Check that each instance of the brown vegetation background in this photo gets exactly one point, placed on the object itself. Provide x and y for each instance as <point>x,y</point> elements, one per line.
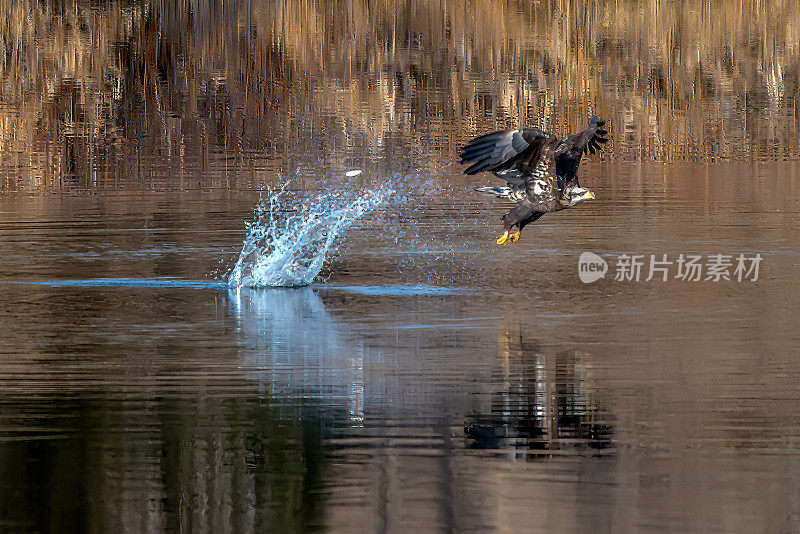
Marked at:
<point>198,93</point>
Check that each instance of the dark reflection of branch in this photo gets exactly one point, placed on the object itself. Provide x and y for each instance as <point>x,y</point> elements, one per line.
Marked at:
<point>157,461</point>
<point>207,442</point>
<point>541,402</point>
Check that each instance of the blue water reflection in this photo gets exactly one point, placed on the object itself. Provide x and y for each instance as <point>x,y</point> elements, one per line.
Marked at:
<point>297,352</point>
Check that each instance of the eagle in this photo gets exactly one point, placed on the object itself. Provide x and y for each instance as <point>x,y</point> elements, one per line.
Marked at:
<point>541,171</point>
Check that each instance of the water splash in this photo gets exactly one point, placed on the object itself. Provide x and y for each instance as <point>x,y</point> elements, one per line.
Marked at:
<point>289,239</point>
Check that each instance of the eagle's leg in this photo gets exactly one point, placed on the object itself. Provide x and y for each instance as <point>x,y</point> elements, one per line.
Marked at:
<point>516,218</point>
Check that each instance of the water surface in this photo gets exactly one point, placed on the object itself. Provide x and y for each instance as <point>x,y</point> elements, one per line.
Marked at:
<point>428,379</point>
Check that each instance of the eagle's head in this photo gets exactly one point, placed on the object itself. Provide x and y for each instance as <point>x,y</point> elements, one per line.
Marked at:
<point>578,195</point>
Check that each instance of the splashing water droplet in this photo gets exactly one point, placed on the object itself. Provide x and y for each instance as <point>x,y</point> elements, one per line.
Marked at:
<point>289,250</point>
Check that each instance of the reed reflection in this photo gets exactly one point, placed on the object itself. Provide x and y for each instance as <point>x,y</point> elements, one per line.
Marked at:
<point>163,462</point>
<point>147,426</point>
<point>542,402</point>
<point>197,94</point>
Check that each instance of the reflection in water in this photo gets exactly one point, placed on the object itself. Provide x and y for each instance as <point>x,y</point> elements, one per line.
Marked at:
<point>158,462</point>
<point>542,402</point>
<point>148,426</point>
<point>297,352</point>
<point>199,94</point>
<point>137,397</point>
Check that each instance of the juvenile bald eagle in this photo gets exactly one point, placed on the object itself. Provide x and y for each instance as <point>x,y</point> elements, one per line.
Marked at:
<point>541,171</point>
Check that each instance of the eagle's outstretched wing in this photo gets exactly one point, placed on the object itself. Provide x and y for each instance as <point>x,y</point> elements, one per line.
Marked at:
<point>570,150</point>
<point>511,155</point>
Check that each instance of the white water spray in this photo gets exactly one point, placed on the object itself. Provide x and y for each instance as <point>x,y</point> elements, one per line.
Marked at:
<point>289,250</point>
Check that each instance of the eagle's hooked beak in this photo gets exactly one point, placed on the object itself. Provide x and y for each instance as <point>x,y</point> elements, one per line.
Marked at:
<point>589,195</point>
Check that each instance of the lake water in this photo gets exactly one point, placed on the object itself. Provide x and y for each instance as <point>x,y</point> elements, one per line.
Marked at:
<point>429,379</point>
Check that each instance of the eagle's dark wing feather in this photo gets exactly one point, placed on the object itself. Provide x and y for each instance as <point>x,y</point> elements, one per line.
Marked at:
<point>509,154</point>
<point>570,150</point>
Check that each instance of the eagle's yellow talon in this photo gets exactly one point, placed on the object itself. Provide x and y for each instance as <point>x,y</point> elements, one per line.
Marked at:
<point>513,237</point>
<point>503,238</point>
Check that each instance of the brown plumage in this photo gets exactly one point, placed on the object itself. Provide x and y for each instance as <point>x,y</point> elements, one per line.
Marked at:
<point>541,171</point>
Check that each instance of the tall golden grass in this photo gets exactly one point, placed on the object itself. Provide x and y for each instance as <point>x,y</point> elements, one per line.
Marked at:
<point>162,92</point>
